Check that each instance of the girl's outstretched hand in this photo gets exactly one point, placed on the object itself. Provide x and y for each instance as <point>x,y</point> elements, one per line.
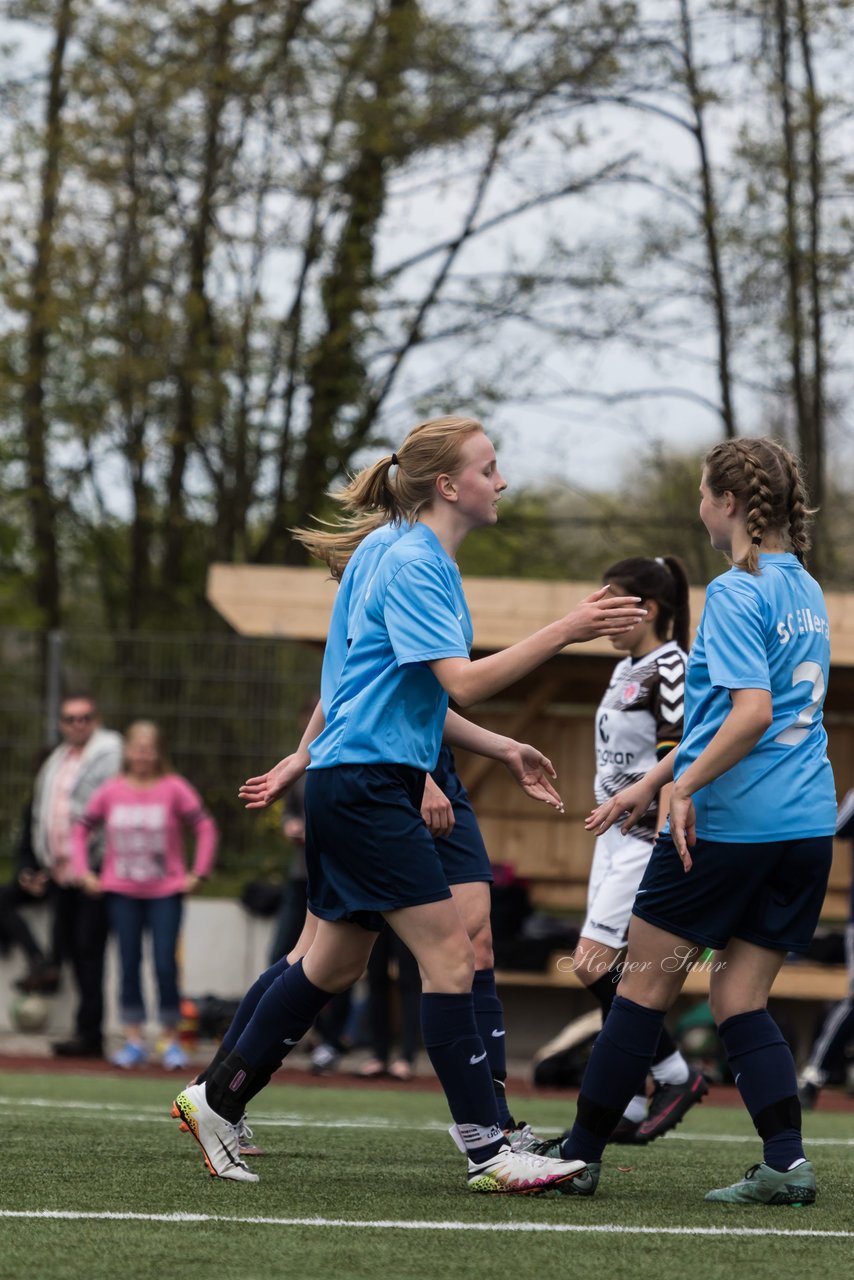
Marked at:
<point>533,771</point>
<point>603,614</point>
<point>261,792</point>
<point>630,804</point>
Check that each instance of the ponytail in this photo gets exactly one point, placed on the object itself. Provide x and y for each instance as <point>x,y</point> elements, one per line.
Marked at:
<point>374,497</point>
<point>681,602</point>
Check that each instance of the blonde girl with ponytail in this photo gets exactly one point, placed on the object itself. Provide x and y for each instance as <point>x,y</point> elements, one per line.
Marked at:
<point>370,855</point>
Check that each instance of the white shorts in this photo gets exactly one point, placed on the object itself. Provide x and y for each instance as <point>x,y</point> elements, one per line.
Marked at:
<point>618,865</point>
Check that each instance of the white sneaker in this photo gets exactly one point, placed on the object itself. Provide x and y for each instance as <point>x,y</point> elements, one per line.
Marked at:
<point>216,1136</point>
<point>521,1173</point>
<point>173,1057</point>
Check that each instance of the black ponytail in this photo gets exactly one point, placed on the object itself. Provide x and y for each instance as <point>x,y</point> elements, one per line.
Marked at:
<point>663,580</point>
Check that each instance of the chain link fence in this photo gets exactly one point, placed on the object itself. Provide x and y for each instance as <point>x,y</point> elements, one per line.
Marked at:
<point>229,707</point>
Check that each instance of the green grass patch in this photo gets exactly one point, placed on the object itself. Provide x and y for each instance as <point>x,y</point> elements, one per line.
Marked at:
<point>101,1144</point>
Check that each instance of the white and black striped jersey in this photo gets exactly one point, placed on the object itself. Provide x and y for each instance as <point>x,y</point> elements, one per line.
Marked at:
<point>639,720</point>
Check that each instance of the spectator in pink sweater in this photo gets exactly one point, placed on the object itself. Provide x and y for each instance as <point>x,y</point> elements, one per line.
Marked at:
<point>145,812</point>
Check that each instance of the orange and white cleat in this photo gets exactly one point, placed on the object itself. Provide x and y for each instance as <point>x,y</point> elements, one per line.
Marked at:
<point>217,1137</point>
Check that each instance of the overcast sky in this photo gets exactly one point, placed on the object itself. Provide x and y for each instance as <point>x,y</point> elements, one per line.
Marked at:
<point>570,438</point>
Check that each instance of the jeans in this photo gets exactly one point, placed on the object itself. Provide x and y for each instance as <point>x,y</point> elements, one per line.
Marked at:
<point>129,919</point>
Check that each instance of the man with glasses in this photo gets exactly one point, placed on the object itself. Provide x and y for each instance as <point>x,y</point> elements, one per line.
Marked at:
<point>87,756</point>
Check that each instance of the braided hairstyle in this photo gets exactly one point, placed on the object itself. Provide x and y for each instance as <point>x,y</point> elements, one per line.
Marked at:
<point>375,497</point>
<point>663,580</point>
<point>765,476</point>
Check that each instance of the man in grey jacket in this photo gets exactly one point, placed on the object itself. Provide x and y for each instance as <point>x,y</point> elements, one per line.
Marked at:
<point>87,756</point>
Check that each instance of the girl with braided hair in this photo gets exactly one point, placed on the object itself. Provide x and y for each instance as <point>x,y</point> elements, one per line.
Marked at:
<point>743,867</point>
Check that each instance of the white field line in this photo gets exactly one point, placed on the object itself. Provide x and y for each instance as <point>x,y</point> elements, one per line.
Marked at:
<point>147,1114</point>
<point>144,1114</point>
<point>386,1224</point>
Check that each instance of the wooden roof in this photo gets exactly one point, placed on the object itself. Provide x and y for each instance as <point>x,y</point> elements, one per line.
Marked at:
<point>295,603</point>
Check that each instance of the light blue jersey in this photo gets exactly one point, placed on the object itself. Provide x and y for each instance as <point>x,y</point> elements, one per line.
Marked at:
<point>763,631</point>
<point>388,707</point>
<point>348,601</point>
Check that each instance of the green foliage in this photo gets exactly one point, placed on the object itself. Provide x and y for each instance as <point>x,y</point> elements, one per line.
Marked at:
<point>221,336</point>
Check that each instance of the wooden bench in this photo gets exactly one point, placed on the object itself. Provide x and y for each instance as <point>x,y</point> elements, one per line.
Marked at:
<point>798,980</point>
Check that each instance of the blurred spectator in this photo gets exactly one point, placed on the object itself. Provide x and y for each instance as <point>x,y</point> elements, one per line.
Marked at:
<point>388,950</point>
<point>837,1032</point>
<point>86,757</point>
<point>144,812</point>
<point>30,884</point>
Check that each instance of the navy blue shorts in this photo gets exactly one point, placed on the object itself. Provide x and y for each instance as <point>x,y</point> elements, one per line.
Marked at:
<point>463,853</point>
<point>367,849</point>
<point>769,894</point>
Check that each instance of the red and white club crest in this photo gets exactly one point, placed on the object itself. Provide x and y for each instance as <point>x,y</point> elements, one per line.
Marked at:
<point>630,692</point>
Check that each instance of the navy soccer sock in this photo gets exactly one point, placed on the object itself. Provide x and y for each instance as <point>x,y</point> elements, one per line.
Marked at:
<point>459,1058</point>
<point>605,989</point>
<point>489,1017</point>
<point>764,1071</point>
<point>241,1019</point>
<point>282,1016</point>
<point>615,1073</point>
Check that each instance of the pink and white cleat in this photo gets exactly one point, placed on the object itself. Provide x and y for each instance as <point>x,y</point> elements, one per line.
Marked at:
<point>521,1173</point>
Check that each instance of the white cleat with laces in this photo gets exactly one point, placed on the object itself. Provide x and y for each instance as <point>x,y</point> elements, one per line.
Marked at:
<point>217,1137</point>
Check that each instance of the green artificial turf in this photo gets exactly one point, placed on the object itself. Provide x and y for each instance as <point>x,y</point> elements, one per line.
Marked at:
<point>102,1144</point>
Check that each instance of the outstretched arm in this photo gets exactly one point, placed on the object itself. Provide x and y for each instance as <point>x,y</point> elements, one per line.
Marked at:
<point>750,716</point>
<point>261,792</point>
<point>468,682</point>
<point>531,769</point>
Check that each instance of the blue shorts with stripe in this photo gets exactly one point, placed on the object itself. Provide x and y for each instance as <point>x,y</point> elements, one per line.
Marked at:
<point>463,853</point>
<point>366,846</point>
<point>767,893</point>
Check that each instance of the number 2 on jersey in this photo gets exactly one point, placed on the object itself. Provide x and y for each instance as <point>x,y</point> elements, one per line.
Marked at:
<point>804,673</point>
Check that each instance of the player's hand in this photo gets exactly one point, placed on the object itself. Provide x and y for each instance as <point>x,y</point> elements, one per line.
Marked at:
<point>191,883</point>
<point>630,805</point>
<point>603,614</point>
<point>683,825</point>
<point>533,771</point>
<point>437,810</point>
<point>261,792</point>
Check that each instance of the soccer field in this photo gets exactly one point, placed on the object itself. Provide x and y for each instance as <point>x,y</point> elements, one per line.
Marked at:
<point>97,1182</point>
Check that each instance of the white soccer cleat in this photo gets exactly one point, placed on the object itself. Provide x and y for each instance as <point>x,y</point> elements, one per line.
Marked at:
<point>521,1173</point>
<point>217,1137</point>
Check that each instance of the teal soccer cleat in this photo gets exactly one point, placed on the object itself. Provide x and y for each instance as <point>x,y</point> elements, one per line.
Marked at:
<point>764,1185</point>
